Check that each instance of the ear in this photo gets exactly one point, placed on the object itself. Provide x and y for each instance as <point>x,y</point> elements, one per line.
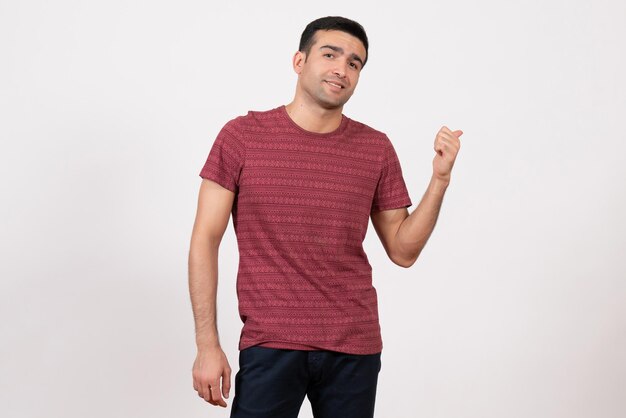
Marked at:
<point>298,61</point>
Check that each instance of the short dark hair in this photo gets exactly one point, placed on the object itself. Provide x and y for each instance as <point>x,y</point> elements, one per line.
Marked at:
<point>332,23</point>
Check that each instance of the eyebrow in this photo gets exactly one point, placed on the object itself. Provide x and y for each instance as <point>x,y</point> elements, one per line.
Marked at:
<point>340,50</point>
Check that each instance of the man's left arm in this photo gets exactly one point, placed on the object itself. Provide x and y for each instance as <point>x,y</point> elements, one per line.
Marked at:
<point>404,236</point>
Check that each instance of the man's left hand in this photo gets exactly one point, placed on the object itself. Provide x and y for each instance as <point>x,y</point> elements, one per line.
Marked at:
<point>447,145</point>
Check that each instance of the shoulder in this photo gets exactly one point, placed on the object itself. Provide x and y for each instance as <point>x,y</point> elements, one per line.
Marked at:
<point>254,120</point>
<point>372,135</point>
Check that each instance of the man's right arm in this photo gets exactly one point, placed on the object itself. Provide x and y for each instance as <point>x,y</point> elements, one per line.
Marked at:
<point>214,207</point>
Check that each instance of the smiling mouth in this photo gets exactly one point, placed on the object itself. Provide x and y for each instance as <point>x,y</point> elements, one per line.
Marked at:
<point>334,85</point>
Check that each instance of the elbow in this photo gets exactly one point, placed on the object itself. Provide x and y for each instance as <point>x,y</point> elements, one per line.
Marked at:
<point>404,260</point>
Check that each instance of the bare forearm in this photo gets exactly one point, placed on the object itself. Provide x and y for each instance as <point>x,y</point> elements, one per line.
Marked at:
<point>203,291</point>
<point>418,226</point>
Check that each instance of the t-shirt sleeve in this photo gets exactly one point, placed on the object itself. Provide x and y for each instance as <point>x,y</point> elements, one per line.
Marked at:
<point>391,191</point>
<point>226,158</point>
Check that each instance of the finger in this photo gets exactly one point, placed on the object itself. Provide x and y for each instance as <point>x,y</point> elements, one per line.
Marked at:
<point>450,136</point>
<point>455,134</point>
<point>445,138</point>
<point>201,392</point>
<point>209,398</point>
<point>216,396</point>
<point>438,145</point>
<point>194,380</point>
<point>204,391</point>
<point>226,382</point>
<point>452,141</point>
<point>442,141</point>
<point>441,149</point>
<point>197,385</point>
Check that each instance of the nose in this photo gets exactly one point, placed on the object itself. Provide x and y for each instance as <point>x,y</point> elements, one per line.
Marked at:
<point>340,70</point>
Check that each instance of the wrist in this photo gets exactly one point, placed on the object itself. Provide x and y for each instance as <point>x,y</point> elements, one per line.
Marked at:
<point>207,343</point>
<point>439,184</point>
<point>208,347</point>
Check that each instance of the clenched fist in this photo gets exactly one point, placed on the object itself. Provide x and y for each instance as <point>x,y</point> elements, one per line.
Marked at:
<point>447,145</point>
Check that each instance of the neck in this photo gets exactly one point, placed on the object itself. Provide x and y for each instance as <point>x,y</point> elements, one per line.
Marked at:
<point>314,118</point>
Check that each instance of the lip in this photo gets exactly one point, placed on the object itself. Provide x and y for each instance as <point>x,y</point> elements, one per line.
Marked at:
<point>343,86</point>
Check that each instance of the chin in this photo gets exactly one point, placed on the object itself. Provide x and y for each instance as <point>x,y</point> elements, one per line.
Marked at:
<point>332,104</point>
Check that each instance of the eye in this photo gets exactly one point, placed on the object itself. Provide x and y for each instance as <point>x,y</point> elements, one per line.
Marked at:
<point>328,54</point>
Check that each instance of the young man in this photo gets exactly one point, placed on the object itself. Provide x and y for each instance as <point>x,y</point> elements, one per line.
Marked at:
<point>302,181</point>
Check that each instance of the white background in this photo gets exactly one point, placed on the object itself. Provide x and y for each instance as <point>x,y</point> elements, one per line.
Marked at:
<point>108,111</point>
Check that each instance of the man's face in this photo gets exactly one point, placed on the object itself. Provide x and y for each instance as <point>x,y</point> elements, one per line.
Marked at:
<point>332,68</point>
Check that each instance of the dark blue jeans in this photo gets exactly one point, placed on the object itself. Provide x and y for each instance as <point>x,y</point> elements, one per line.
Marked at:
<point>272,383</point>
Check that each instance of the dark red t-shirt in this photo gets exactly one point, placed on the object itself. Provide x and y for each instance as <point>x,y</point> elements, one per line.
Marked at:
<point>301,211</point>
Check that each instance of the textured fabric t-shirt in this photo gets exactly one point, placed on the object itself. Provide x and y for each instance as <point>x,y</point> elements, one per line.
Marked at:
<point>300,214</point>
